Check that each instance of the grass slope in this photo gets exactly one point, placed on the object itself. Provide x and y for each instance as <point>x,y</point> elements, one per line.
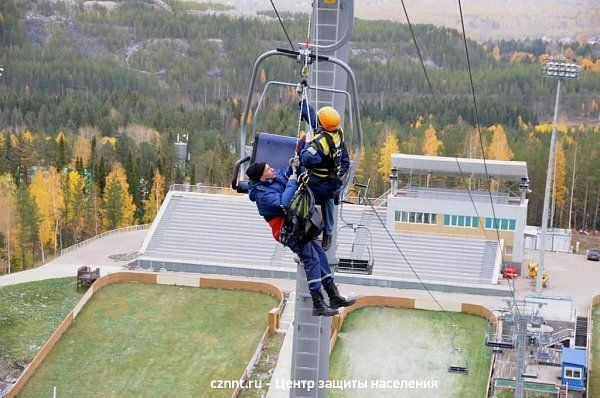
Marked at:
<point>399,344</point>
<point>30,312</point>
<point>148,340</point>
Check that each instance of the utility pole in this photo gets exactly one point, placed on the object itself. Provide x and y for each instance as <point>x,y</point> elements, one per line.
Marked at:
<point>584,222</point>
<point>555,67</point>
<point>552,208</point>
<point>596,213</point>
<point>572,185</point>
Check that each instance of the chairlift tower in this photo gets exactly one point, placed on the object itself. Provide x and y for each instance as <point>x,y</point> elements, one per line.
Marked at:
<point>525,321</point>
<point>331,27</point>
<point>331,24</point>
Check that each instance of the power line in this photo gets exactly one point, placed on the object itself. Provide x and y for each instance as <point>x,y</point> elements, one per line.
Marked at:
<point>512,289</point>
<point>282,25</point>
<point>416,274</point>
<point>487,176</point>
<point>419,53</point>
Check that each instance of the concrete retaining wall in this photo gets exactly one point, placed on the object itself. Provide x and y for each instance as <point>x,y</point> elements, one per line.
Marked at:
<point>400,302</point>
<point>163,279</point>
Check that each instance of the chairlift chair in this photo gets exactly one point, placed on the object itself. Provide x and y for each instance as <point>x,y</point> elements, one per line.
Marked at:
<point>357,261</point>
<point>276,150</point>
<point>458,362</point>
<point>498,341</point>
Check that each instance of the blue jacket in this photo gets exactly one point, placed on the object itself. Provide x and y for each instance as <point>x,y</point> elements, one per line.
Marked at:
<point>311,158</point>
<point>274,195</point>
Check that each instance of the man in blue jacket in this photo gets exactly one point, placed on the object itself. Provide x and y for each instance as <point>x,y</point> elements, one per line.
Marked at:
<point>326,157</point>
<point>272,190</point>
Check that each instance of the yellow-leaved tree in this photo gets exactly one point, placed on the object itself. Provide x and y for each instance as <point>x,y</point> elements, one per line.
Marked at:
<point>390,146</point>
<point>75,205</point>
<point>431,144</point>
<point>45,188</point>
<point>81,150</point>
<point>118,207</point>
<point>9,222</point>
<point>157,194</point>
<point>499,148</point>
<point>496,53</point>
<point>560,187</point>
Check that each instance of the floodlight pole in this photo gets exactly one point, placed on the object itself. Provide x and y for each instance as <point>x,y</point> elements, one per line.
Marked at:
<point>553,68</point>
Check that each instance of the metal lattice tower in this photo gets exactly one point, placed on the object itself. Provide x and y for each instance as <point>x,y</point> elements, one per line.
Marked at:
<point>331,25</point>
<point>521,316</point>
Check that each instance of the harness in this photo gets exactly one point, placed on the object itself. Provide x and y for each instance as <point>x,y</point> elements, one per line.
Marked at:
<point>330,166</point>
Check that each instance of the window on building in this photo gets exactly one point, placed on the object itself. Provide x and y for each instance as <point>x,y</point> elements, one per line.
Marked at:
<point>419,217</point>
<point>508,250</point>
<point>415,217</point>
<point>456,220</point>
<point>572,373</point>
<point>503,224</point>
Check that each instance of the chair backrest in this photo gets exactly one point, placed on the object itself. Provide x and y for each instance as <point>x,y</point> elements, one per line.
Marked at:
<point>274,149</point>
<point>82,270</point>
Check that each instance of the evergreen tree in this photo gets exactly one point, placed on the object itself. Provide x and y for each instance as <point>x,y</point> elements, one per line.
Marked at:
<point>61,154</point>
<point>28,223</point>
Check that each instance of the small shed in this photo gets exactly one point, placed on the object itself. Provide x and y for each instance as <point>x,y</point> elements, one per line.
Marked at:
<point>574,368</point>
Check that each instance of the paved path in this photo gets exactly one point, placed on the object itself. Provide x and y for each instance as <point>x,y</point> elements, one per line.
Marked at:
<point>568,275</point>
<point>94,254</point>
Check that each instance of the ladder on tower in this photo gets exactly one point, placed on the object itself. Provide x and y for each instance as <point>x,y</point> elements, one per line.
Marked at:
<point>581,332</point>
<point>310,359</point>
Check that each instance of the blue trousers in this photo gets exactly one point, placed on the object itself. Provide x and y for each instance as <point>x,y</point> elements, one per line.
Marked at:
<point>324,191</point>
<point>314,261</point>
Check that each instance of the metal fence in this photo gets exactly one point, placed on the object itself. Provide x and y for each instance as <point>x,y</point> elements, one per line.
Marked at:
<point>200,188</point>
<point>102,235</point>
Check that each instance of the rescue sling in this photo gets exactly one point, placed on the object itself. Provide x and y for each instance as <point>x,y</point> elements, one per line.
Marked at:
<point>303,219</point>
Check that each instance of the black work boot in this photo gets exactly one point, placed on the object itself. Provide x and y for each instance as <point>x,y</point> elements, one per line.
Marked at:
<point>335,299</point>
<point>319,306</point>
<point>326,242</point>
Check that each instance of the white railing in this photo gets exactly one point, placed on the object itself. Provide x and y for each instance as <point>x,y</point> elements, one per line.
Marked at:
<point>382,199</point>
<point>200,188</point>
<point>102,235</point>
<point>456,195</point>
<point>560,336</point>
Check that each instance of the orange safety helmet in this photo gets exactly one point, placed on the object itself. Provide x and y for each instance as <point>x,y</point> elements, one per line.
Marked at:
<point>329,118</point>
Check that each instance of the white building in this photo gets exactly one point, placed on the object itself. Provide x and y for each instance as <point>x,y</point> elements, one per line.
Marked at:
<point>432,196</point>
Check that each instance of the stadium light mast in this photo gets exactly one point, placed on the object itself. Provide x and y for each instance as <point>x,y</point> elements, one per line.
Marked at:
<point>554,67</point>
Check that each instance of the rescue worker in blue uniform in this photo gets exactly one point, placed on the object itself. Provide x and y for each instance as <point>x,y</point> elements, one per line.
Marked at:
<point>273,190</point>
<point>327,160</point>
